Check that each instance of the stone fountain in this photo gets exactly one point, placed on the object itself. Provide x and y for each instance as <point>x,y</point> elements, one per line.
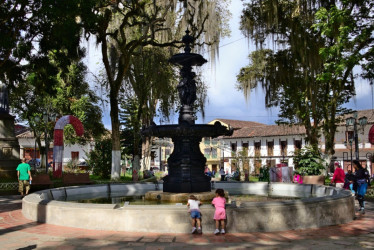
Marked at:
<point>186,163</point>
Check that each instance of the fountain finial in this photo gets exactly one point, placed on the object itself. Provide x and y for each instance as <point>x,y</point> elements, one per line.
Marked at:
<point>187,40</point>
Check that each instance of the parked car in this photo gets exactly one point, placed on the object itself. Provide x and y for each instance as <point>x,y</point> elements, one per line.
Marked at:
<point>82,165</point>
<point>34,163</point>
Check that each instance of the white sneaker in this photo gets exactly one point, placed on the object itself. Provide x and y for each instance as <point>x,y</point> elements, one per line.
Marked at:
<point>199,230</point>
<point>216,231</point>
<point>193,230</point>
<point>223,231</point>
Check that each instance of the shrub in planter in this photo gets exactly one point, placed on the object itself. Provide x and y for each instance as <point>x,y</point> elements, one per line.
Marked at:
<point>308,161</point>
<point>100,159</point>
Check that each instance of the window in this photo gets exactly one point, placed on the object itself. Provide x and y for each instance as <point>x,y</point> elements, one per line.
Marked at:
<point>233,147</point>
<point>270,148</point>
<point>7,152</point>
<point>257,167</point>
<point>153,156</point>
<point>283,145</point>
<point>258,148</point>
<point>167,152</point>
<point>298,144</point>
<point>207,153</point>
<point>349,135</point>
<point>207,140</point>
<point>214,142</point>
<point>74,155</point>
<point>214,152</point>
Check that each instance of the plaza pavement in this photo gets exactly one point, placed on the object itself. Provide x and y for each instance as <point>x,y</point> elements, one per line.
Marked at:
<point>17,232</point>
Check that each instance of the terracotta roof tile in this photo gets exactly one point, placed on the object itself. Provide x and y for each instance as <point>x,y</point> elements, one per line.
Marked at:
<point>369,113</point>
<point>245,129</point>
<point>237,123</point>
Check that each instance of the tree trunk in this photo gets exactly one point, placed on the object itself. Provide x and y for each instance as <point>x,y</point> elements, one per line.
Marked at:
<point>242,173</point>
<point>42,157</point>
<point>135,168</point>
<point>146,153</point>
<point>116,148</point>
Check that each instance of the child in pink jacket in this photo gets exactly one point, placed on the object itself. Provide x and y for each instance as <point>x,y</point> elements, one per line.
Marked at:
<point>219,203</point>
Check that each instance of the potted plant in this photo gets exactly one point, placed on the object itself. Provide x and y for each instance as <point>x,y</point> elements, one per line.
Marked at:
<point>309,164</point>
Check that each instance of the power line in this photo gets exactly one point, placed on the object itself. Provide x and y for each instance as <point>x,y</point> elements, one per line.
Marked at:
<point>205,52</point>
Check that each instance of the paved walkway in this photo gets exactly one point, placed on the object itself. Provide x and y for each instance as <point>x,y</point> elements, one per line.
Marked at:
<point>17,232</point>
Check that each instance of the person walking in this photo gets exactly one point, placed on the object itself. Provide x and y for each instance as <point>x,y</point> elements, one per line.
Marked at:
<point>194,204</point>
<point>361,180</point>
<point>24,176</point>
<point>339,176</point>
<point>349,178</point>
<point>219,202</point>
<point>222,173</point>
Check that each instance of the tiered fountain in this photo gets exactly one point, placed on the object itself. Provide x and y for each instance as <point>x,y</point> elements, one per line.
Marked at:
<point>186,163</point>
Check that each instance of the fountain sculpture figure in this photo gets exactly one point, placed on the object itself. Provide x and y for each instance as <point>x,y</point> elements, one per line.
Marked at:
<point>186,163</point>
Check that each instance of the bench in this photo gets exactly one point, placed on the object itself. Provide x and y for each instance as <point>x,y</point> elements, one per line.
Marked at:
<point>73,179</point>
<point>41,180</point>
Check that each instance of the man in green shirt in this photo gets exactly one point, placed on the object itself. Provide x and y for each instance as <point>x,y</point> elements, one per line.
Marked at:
<point>24,176</point>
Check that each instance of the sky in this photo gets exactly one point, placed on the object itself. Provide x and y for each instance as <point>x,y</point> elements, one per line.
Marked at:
<point>224,101</point>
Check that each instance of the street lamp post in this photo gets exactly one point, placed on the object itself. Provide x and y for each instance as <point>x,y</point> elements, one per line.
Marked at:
<point>350,144</point>
<point>352,121</point>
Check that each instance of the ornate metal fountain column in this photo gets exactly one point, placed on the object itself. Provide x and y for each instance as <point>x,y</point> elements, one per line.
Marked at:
<point>186,163</point>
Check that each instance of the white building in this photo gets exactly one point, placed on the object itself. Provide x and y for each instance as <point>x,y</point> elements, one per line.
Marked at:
<point>29,149</point>
<point>272,144</point>
<point>255,145</point>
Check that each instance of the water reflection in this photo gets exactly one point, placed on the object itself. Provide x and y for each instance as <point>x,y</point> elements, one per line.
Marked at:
<point>140,200</point>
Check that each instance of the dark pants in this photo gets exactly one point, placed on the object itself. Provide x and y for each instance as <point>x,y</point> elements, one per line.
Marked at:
<point>361,191</point>
<point>361,200</point>
<point>223,177</point>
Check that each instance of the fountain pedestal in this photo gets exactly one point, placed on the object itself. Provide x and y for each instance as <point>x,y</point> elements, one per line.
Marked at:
<point>9,146</point>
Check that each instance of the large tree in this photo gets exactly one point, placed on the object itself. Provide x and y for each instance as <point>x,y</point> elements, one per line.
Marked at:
<point>152,80</point>
<point>308,72</point>
<point>67,94</point>
<point>122,27</point>
<point>30,29</point>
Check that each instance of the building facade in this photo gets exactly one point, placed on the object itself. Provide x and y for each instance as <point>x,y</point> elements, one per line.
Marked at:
<point>255,144</point>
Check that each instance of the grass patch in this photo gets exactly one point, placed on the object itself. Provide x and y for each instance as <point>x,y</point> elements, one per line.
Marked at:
<point>253,178</point>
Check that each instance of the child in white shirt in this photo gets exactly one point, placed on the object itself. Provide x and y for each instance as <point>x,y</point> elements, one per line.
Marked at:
<point>194,210</point>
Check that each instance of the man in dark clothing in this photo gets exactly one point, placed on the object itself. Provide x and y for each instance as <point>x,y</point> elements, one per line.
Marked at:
<point>361,178</point>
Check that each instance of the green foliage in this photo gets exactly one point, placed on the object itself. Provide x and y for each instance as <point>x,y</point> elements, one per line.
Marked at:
<point>310,88</point>
<point>29,30</point>
<point>100,159</point>
<point>125,29</point>
<point>130,125</point>
<point>72,165</point>
<point>308,161</point>
<point>264,174</point>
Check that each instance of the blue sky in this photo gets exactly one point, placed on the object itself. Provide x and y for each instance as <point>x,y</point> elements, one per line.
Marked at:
<point>224,101</point>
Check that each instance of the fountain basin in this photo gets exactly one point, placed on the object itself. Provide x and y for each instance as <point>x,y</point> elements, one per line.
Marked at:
<point>330,206</point>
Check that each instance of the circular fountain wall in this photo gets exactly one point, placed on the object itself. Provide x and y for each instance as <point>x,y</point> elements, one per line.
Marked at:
<point>328,206</point>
